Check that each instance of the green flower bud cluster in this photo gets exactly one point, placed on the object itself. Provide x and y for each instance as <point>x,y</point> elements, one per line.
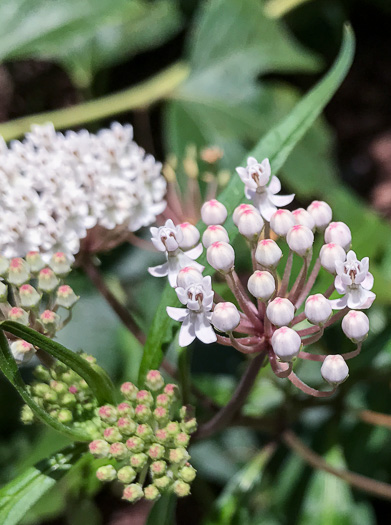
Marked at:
<point>65,396</point>
<point>145,440</point>
<point>31,293</point>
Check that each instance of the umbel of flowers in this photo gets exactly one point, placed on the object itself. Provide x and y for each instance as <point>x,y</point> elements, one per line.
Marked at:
<point>145,440</point>
<point>57,189</point>
<point>33,293</point>
<point>65,396</point>
<point>276,315</point>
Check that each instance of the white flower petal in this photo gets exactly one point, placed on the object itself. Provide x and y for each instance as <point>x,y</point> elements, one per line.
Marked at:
<point>281,200</point>
<point>339,304</point>
<point>367,283</point>
<point>178,314</point>
<point>195,252</point>
<point>204,330</point>
<point>275,185</point>
<point>187,332</point>
<point>159,271</point>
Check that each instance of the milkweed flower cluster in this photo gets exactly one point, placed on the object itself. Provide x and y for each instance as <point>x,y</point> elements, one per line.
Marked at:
<point>145,440</point>
<point>55,188</point>
<point>33,293</point>
<point>271,315</point>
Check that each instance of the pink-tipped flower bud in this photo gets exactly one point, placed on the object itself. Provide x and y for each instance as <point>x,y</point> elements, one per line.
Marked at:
<point>281,222</point>
<point>213,212</point>
<point>250,224</point>
<point>22,351</point>
<point>188,276</point>
<point>330,254</point>
<point>321,213</point>
<point>334,370</point>
<point>154,380</point>
<point>18,271</point>
<point>4,265</point>
<point>50,320</point>
<point>106,473</point>
<point>178,455</point>
<point>181,489</point>
<point>239,210</point>
<point>156,451</point>
<point>182,439</point>
<point>151,493</point>
<point>35,261</point>
<point>135,444</point>
<point>60,264</point>
<point>66,297</point>
<point>300,239</point>
<point>214,233</point>
<point>187,473</point>
<point>261,285</point>
<point>338,233</point>
<point>126,475</point>
<point>163,482</point>
<point>142,413</point>
<point>118,451</point>
<point>286,343</point>
<point>129,391</point>
<point>317,309</point>
<point>303,217</point>
<point>280,311</point>
<point>225,317</point>
<point>126,426</point>
<point>173,428</point>
<point>355,326</point>
<point>112,434</point>
<point>221,256</point>
<point>144,431</point>
<point>144,397</point>
<point>47,280</point>
<point>107,413</point>
<point>268,254</point>
<point>99,448</point>
<point>162,436</point>
<point>158,468</point>
<point>137,461</point>
<point>3,292</point>
<point>190,237</point>
<point>125,409</point>
<point>133,492</point>
<point>29,297</point>
<point>171,390</point>
<point>163,400</point>
<point>19,315</point>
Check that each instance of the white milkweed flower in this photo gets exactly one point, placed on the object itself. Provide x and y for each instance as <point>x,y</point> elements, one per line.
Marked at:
<point>56,187</point>
<point>213,212</point>
<point>196,317</point>
<point>300,239</point>
<point>256,177</point>
<point>261,285</point>
<point>22,351</point>
<point>317,309</point>
<point>225,317</point>
<point>286,343</point>
<point>354,281</point>
<point>167,239</point>
<point>334,370</point>
<point>281,222</point>
<point>214,233</point>
<point>280,311</point>
<point>321,213</point>
<point>329,254</point>
<point>355,326</point>
<point>268,253</point>
<point>303,217</point>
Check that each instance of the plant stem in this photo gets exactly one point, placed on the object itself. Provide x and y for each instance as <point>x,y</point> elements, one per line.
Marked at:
<point>287,274</point>
<point>227,413</point>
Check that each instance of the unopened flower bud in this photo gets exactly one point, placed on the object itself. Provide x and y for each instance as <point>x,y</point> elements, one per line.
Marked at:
<point>29,297</point>
<point>163,482</point>
<point>126,426</point>
<point>225,317</point>
<point>144,397</point>
<point>133,492</point>
<point>214,233</point>
<point>35,261</point>
<point>189,426</point>
<point>135,444</point>
<point>191,236</point>
<point>27,415</point>
<point>281,222</point>
<point>106,473</point>
<point>303,217</point>
<point>112,434</point>
<point>173,428</point>
<point>142,413</point>
<point>18,271</point>
<point>99,448</point>
<point>3,292</point>
<point>188,276</point>
<point>69,400</point>
<point>171,390</point>
<point>118,451</point>
<point>156,451</point>
<point>58,387</point>
<point>60,264</point>
<point>50,320</point>
<point>42,373</point>
<point>160,414</point>
<point>286,343</point>
<point>154,380</point>
<point>4,265</point>
<point>125,409</point>
<point>158,468</point>
<point>182,439</point>
<point>338,233</point>
<point>355,326</point>
<point>317,309</point>
<point>65,416</point>
<point>261,285</point>
<point>137,461</point>
<point>66,297</point>
<point>47,280</point>
<point>163,400</point>
<point>187,473</point>
<point>250,224</point>
<point>178,455</point>
<point>300,239</point>
<point>144,431</point>
<point>162,436</point>
<point>321,213</point>
<point>239,210</point>
<point>334,370</point>
<point>19,315</point>
<point>129,391</point>
<point>126,475</point>
<point>221,256</point>
<point>151,493</point>
<point>181,488</point>
<point>280,311</point>
<point>213,212</point>
<point>329,254</point>
<point>268,254</point>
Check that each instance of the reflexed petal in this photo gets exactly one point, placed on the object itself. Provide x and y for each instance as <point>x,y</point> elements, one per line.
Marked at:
<point>370,297</point>
<point>364,264</point>
<point>339,285</point>
<point>187,332</point>
<point>158,244</point>
<point>356,298</point>
<point>249,190</point>
<point>281,200</point>
<point>159,271</point>
<point>242,172</point>
<point>367,283</point>
<point>339,266</point>
<point>154,230</point>
<point>195,252</point>
<point>204,330</point>
<point>169,224</point>
<point>275,185</point>
<point>339,304</point>
<point>251,161</point>
<point>182,295</point>
<point>178,314</point>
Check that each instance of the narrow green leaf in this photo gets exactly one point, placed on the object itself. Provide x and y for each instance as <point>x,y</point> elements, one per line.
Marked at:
<point>276,145</point>
<point>163,511</point>
<point>96,377</point>
<point>18,496</point>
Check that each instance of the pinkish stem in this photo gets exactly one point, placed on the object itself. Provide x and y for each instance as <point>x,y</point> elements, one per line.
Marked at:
<point>317,357</point>
<point>300,280</point>
<point>281,370</point>
<point>244,302</point>
<point>286,276</point>
<point>307,389</point>
<point>313,339</point>
<point>309,284</point>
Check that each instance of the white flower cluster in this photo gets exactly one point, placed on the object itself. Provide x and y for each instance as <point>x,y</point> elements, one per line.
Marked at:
<point>271,325</point>
<point>55,187</point>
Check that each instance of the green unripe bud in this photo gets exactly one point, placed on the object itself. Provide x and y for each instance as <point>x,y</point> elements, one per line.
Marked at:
<point>58,386</point>
<point>178,455</point>
<point>126,475</point>
<point>144,397</point>
<point>41,373</point>
<point>99,448</point>
<point>112,434</point>
<point>163,400</point>
<point>118,451</point>
<point>106,473</point>
<point>151,493</point>
<point>142,413</point>
<point>3,292</point>
<point>162,483</point>
<point>129,391</point>
<point>40,389</point>
<point>29,297</point>
<point>126,426</point>
<point>144,431</point>
<point>156,451</point>
<point>35,261</point>
<point>65,416</point>
<point>27,415</point>
<point>18,271</point>
<point>158,468</point>
<point>19,315</point>
<point>182,439</point>
<point>162,436</point>
<point>69,400</point>
<point>138,460</point>
<point>189,426</point>
<point>66,297</point>
<point>173,428</point>
<point>154,380</point>
<point>50,397</point>
<point>133,492</point>
<point>135,444</point>
<point>60,264</point>
<point>107,413</point>
<point>181,488</point>
<point>125,410</point>
<point>4,265</point>
<point>187,473</point>
<point>161,414</point>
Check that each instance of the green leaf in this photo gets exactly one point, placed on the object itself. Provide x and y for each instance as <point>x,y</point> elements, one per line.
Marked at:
<point>95,376</point>
<point>163,511</point>
<point>10,369</point>
<point>276,145</point>
<point>18,496</point>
